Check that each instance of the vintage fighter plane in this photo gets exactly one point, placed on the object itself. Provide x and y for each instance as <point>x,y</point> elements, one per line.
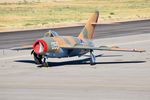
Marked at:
<point>54,46</point>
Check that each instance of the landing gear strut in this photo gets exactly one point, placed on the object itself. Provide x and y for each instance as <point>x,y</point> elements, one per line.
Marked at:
<point>92,58</point>
<point>45,64</point>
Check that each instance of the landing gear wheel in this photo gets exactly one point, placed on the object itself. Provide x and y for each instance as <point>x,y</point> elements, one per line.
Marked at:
<point>92,58</point>
<point>45,64</point>
<point>91,63</point>
<point>37,58</point>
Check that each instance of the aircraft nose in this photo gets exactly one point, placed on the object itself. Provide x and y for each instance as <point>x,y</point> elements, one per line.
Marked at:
<point>40,46</point>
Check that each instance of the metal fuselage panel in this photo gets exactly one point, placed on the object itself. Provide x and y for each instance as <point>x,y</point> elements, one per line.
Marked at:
<point>66,41</point>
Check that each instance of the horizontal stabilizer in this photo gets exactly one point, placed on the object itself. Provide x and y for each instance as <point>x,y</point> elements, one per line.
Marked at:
<point>95,23</point>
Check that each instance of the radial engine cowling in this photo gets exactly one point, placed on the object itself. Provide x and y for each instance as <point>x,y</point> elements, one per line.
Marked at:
<point>45,45</point>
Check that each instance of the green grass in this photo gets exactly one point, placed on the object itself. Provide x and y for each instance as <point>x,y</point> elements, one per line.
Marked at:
<point>35,13</point>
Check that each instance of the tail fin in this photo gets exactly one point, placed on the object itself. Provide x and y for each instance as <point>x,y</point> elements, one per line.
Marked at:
<point>88,31</point>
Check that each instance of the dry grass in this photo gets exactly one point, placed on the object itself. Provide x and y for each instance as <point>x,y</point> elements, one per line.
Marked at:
<point>43,13</point>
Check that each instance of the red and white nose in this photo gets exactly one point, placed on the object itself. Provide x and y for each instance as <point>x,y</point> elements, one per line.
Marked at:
<point>40,46</point>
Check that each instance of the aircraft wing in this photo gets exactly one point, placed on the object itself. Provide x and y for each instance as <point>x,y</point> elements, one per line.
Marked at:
<point>25,47</point>
<point>105,48</point>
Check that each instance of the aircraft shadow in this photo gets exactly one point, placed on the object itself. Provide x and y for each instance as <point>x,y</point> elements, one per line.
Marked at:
<point>79,62</point>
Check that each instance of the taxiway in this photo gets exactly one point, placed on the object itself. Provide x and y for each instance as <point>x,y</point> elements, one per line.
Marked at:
<point>116,75</point>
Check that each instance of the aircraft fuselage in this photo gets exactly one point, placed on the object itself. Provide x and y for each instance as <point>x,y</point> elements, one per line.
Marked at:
<point>53,46</point>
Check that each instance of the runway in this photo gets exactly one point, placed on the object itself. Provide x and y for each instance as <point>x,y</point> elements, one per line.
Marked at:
<point>116,75</point>
<point>11,39</point>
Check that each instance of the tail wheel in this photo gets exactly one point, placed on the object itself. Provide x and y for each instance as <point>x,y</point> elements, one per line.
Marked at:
<point>37,58</point>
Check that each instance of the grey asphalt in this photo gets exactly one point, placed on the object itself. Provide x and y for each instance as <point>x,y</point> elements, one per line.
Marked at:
<point>116,75</point>
<point>11,39</point>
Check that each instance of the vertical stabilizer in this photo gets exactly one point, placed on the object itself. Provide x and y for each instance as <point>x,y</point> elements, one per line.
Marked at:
<point>88,30</point>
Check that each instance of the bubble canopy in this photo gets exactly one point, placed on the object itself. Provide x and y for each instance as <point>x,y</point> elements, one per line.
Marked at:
<point>51,34</point>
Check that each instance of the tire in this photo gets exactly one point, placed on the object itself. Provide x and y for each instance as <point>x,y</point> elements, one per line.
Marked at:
<point>37,58</point>
<point>45,64</point>
<point>91,63</point>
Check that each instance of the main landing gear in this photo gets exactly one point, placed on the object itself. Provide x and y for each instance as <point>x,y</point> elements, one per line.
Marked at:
<point>92,58</point>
